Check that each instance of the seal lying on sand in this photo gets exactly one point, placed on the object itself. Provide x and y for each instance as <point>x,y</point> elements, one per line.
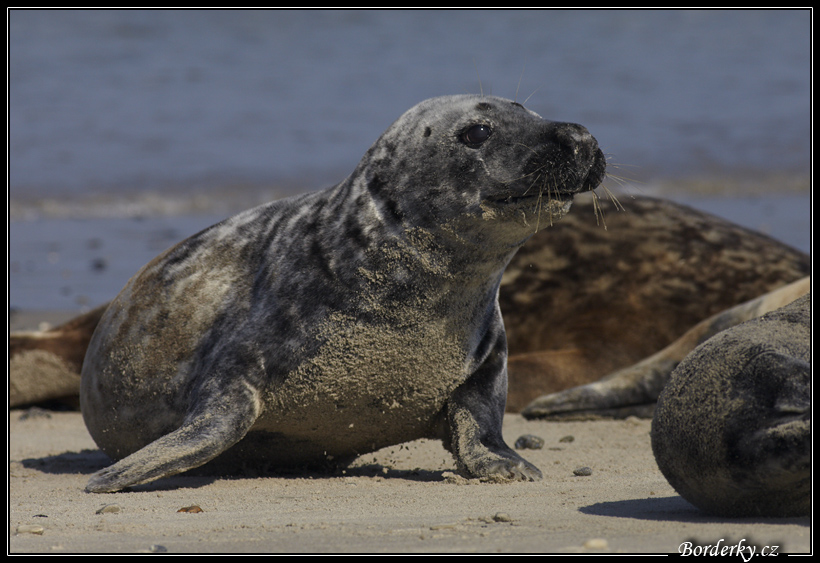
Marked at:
<point>634,390</point>
<point>579,301</point>
<point>45,365</point>
<point>328,325</point>
<point>732,428</point>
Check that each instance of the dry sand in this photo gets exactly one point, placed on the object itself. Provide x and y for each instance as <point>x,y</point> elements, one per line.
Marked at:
<point>403,499</point>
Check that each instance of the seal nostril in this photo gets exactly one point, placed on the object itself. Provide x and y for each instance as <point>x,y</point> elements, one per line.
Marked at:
<point>573,136</point>
<point>576,141</point>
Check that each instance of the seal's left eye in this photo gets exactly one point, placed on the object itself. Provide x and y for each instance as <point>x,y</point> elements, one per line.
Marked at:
<point>475,135</point>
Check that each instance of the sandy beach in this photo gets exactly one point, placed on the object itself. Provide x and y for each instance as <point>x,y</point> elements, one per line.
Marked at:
<point>403,499</point>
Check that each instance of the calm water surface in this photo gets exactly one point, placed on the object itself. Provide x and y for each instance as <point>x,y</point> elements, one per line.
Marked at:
<point>171,118</point>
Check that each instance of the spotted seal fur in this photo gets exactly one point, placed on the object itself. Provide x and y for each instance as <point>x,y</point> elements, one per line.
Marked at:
<point>732,428</point>
<point>579,302</point>
<point>331,324</point>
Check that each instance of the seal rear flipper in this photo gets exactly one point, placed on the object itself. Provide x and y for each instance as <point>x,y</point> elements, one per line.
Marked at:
<point>626,392</point>
<point>202,437</point>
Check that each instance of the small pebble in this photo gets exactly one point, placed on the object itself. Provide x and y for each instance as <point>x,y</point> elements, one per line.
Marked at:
<point>35,412</point>
<point>583,471</point>
<point>193,509</point>
<point>529,442</point>
<point>30,529</point>
<point>109,509</point>
<point>502,517</point>
<point>596,543</point>
<point>156,548</point>
<point>448,526</point>
<point>569,438</point>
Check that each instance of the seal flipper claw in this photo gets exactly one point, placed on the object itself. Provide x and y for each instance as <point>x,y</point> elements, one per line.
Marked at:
<point>481,453</point>
<point>484,454</point>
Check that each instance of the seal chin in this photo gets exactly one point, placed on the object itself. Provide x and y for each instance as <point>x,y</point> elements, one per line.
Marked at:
<point>552,206</point>
<point>556,208</point>
<point>550,198</point>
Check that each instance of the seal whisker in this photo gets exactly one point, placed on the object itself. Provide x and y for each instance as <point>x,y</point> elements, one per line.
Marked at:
<point>532,184</point>
<point>549,197</point>
<point>613,198</point>
<point>531,95</point>
<point>598,210</point>
<point>515,99</point>
<point>622,181</point>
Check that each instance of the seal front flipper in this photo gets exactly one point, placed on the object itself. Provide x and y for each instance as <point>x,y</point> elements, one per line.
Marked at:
<point>475,412</point>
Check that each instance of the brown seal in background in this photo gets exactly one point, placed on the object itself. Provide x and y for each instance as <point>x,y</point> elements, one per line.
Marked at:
<point>579,301</point>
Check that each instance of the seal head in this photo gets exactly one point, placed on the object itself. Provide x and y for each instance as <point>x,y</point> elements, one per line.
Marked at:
<point>475,157</point>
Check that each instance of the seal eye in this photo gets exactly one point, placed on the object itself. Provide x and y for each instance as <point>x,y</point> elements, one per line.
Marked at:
<point>475,135</point>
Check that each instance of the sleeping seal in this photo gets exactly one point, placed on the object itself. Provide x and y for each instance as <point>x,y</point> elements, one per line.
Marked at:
<point>331,324</point>
<point>732,429</point>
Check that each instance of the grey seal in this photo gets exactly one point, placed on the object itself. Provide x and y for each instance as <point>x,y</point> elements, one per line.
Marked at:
<point>580,300</point>
<point>732,428</point>
<point>327,325</point>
